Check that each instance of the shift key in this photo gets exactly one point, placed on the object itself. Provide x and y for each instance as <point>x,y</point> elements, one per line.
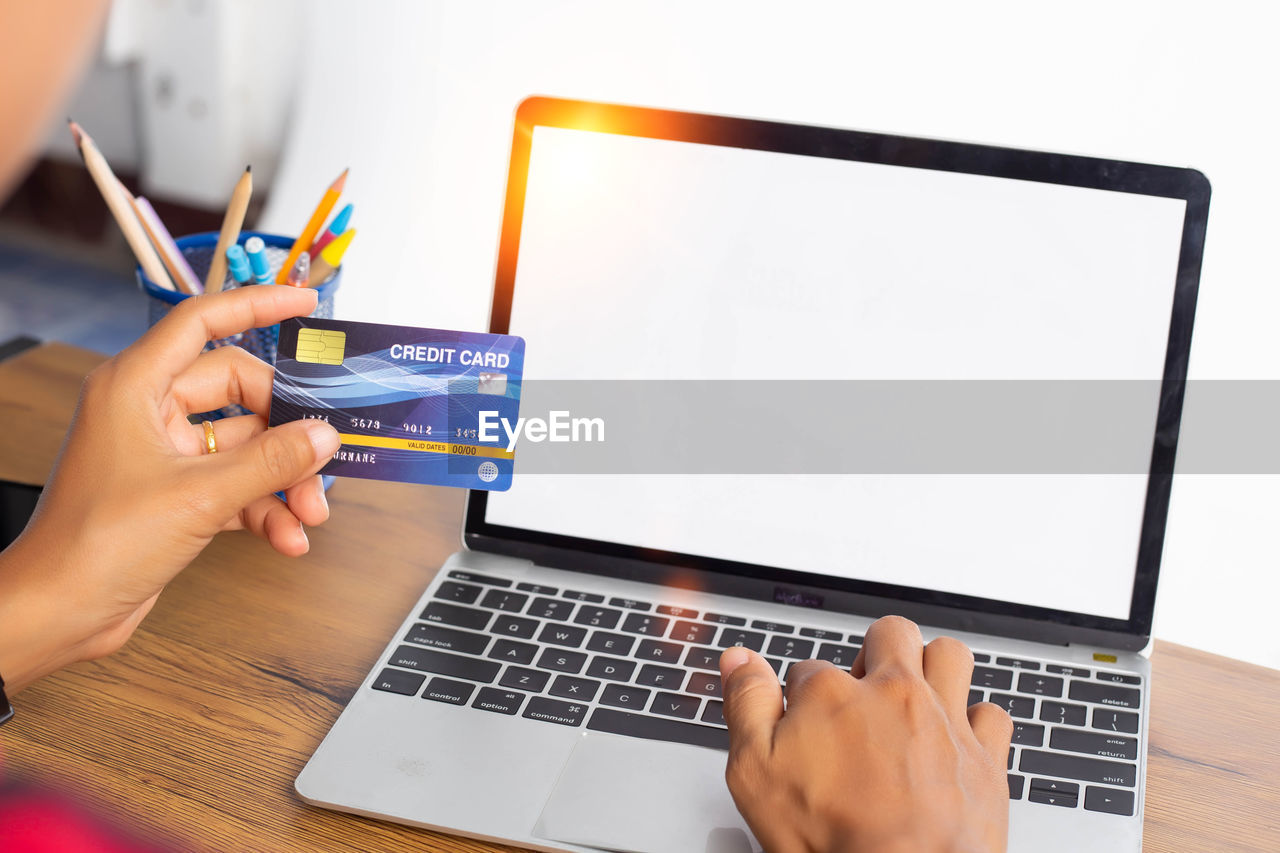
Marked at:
<point>430,660</point>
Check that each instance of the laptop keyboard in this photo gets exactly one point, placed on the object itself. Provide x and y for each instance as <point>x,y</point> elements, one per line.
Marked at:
<point>649,670</point>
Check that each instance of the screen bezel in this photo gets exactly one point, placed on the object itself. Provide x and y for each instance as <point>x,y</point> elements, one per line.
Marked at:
<point>869,597</point>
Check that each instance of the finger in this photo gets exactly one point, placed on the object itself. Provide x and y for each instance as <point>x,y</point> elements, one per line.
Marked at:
<point>170,346</point>
<point>269,462</point>
<point>993,727</point>
<point>752,701</point>
<point>270,518</point>
<point>948,667</point>
<point>225,376</point>
<point>816,679</point>
<point>892,645</point>
<point>228,433</point>
<point>307,501</point>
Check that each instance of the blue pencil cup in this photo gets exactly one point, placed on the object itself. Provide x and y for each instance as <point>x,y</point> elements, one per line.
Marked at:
<point>198,250</point>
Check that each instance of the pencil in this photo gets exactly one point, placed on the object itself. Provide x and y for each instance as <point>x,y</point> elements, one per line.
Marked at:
<point>109,187</point>
<point>230,233</point>
<point>174,261</point>
<point>303,243</point>
<point>330,258</point>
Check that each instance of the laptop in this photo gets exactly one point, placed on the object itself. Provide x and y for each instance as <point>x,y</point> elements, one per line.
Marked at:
<point>556,685</point>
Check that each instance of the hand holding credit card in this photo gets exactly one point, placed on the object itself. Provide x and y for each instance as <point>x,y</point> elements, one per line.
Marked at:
<point>413,405</point>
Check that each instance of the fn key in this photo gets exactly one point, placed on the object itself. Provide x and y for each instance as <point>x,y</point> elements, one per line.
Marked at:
<point>396,681</point>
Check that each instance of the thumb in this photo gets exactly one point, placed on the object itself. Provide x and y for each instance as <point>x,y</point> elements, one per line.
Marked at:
<point>752,701</point>
<point>269,462</point>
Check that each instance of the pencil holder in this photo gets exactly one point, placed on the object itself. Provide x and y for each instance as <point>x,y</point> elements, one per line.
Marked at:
<point>198,250</point>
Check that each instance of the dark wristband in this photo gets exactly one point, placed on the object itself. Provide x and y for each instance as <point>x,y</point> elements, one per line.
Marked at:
<point>6,710</point>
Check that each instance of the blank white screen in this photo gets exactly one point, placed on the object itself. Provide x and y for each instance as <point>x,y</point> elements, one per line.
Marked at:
<point>650,259</point>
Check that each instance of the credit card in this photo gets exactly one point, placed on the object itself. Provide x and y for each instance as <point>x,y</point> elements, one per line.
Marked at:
<point>412,405</point>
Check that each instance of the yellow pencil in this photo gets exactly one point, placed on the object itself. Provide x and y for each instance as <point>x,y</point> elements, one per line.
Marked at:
<point>303,243</point>
<point>109,187</point>
<point>232,221</point>
<point>330,257</point>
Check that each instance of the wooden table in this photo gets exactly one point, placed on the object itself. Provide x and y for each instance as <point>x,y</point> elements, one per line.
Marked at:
<point>193,733</point>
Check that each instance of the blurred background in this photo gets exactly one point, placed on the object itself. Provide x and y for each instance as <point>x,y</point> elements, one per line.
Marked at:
<point>417,98</point>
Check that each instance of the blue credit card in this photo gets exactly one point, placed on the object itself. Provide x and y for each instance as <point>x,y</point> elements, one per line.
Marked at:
<point>412,405</point>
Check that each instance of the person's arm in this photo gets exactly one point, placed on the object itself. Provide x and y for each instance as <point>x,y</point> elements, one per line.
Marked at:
<point>134,496</point>
<point>884,758</point>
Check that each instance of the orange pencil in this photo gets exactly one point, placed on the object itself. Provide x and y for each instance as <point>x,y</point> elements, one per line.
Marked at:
<point>303,243</point>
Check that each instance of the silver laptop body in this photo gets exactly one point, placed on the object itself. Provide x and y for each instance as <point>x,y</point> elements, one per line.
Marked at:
<point>555,686</point>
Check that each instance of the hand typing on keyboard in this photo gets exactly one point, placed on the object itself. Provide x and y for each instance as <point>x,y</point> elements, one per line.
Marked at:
<point>883,757</point>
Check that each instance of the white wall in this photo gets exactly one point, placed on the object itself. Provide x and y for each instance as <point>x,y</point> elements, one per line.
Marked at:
<point>418,97</point>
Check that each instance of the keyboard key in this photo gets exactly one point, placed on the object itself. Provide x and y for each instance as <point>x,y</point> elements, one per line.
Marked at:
<point>1103,745</point>
<point>822,634</point>
<point>675,705</point>
<point>630,604</point>
<point>775,663</point>
<point>440,663</point>
<point>1015,786</point>
<point>991,679</point>
<point>524,679</point>
<point>623,696</point>
<point>511,602</point>
<point>617,644</point>
<point>1119,678</point>
<point>395,681</point>
<point>1077,767</point>
<point>714,714</point>
<point>721,619</point>
<point>1028,734</point>
<point>513,626</point>
<point>1109,800</point>
<point>791,647</point>
<point>447,638</point>
<point>701,658</point>
<point>738,637</point>
<point>563,635</point>
<point>510,651</point>
<point>1115,721</point>
<point>704,684</point>
<point>498,701</point>
<point>657,728</point>
<point>475,578</point>
<point>1039,685</point>
<point>1105,694</point>
<point>979,657</point>
<point>693,632</point>
<point>583,596</point>
<point>1017,706</point>
<point>550,608</point>
<point>855,639</point>
<point>445,690</point>
<point>562,661</point>
<point>640,623</point>
<point>614,669</point>
<point>1017,663</point>
<point>1009,766</point>
<point>597,617</point>
<point>555,711</point>
<point>654,650</point>
<point>975,696</point>
<point>1073,671</point>
<point>652,675</point>
<point>841,656</point>
<point>537,588</point>
<point>678,612</point>
<point>1049,798</point>
<point>463,593</point>
<point>1062,712</point>
<point>773,627</point>
<point>568,687</point>
<point>1055,786</point>
<point>452,614</point>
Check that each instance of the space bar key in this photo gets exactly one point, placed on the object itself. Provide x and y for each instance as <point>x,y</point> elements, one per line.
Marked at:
<point>657,728</point>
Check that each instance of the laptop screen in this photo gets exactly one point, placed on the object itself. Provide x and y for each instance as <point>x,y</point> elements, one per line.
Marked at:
<point>667,259</point>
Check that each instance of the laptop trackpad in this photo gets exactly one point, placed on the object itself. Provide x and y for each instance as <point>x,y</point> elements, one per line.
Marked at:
<point>644,796</point>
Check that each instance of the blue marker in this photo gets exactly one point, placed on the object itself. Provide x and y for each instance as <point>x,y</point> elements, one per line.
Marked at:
<point>258,261</point>
<point>238,263</point>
